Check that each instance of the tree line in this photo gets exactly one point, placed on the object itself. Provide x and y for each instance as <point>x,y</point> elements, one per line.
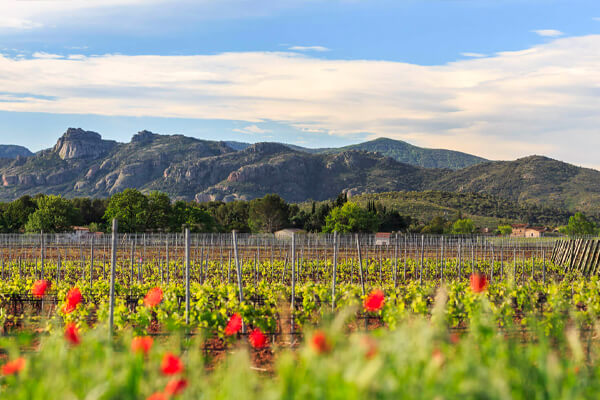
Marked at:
<point>156,212</point>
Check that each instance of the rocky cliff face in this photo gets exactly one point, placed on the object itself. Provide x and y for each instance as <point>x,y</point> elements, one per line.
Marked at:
<point>80,144</point>
<point>83,164</point>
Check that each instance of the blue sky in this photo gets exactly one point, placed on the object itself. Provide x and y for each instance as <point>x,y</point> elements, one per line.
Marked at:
<point>501,79</point>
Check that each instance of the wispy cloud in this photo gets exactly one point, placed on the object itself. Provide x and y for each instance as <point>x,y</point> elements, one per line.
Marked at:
<point>473,55</point>
<point>548,32</point>
<point>47,56</point>
<point>252,130</point>
<point>537,100</point>
<point>308,48</point>
<point>8,22</point>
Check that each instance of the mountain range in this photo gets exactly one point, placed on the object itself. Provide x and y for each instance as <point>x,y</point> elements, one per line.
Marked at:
<point>82,163</point>
<point>14,151</point>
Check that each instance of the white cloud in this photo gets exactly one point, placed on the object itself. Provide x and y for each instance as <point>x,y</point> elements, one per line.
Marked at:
<point>548,32</point>
<point>539,100</point>
<point>308,48</point>
<point>473,55</point>
<point>44,55</point>
<point>8,22</point>
<point>252,130</point>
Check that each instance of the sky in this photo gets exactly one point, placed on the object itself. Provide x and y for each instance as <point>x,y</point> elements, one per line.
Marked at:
<point>500,79</point>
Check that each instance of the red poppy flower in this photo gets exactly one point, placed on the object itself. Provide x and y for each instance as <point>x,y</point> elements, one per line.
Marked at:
<point>234,325</point>
<point>171,364</point>
<point>74,297</point>
<point>374,300</point>
<point>320,343</point>
<point>153,297</point>
<point>158,396</point>
<point>257,339</point>
<point>141,344</point>
<point>437,357</point>
<point>370,346</point>
<point>454,338</point>
<point>175,387</point>
<point>14,366</point>
<point>39,288</point>
<point>478,283</point>
<point>72,334</point>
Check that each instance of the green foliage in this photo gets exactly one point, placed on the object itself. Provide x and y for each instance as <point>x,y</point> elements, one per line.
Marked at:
<point>351,218</point>
<point>579,225</point>
<point>437,226</point>
<point>268,214</point>
<point>505,230</point>
<point>53,214</point>
<point>17,213</point>
<point>191,214</point>
<point>463,227</point>
<point>130,207</point>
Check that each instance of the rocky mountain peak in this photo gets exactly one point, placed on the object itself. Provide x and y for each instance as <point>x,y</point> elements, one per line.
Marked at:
<point>144,137</point>
<point>268,148</point>
<point>77,143</point>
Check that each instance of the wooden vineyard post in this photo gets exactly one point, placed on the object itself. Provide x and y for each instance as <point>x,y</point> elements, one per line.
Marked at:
<point>333,277</point>
<point>293,299</point>
<point>238,267</point>
<point>131,262</point>
<point>492,266</point>
<point>167,257</point>
<point>460,259</point>
<point>360,266</point>
<point>515,263</point>
<point>113,262</point>
<point>229,268</point>
<point>442,262</point>
<point>405,258</point>
<point>396,261</point>
<point>58,267</point>
<point>544,266</point>
<point>422,259</point>
<point>501,260</point>
<point>42,255</point>
<point>91,261</point>
<point>186,231</point>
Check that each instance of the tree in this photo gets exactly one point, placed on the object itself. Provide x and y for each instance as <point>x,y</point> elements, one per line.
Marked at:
<point>268,214</point>
<point>53,214</point>
<point>437,225</point>
<point>463,227</point>
<point>579,225</point>
<point>158,211</point>
<point>130,207</point>
<point>191,214</point>
<point>89,210</point>
<point>351,218</point>
<point>17,213</point>
<point>505,230</point>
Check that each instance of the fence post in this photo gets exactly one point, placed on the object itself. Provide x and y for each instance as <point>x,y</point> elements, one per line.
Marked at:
<point>333,278</point>
<point>422,259</point>
<point>544,265</point>
<point>360,267</point>
<point>239,272</point>
<point>186,231</point>
<point>91,261</point>
<point>293,300</point>
<point>396,261</point>
<point>113,258</point>
<point>42,254</point>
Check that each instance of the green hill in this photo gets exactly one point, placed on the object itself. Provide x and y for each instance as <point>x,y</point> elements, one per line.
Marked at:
<point>413,155</point>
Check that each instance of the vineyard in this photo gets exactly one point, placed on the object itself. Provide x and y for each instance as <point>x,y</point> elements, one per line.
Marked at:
<point>295,305</point>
